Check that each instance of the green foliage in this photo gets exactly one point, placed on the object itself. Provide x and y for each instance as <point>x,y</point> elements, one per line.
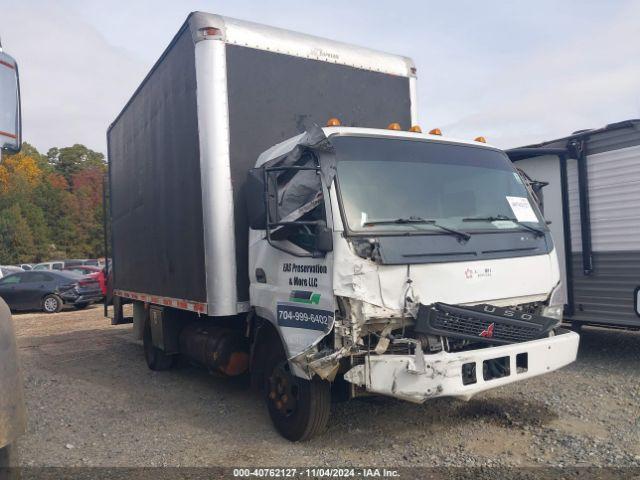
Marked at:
<point>70,160</point>
<point>51,205</point>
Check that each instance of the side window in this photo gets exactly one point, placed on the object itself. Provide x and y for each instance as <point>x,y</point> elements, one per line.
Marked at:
<point>304,236</point>
<point>10,280</point>
<point>33,277</point>
<point>28,277</point>
<point>298,198</point>
<point>57,266</point>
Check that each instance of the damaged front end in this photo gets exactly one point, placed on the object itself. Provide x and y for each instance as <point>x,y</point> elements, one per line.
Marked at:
<point>427,351</point>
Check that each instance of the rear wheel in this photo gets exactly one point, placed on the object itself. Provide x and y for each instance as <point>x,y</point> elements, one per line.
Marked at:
<point>299,408</point>
<point>156,358</point>
<point>51,304</point>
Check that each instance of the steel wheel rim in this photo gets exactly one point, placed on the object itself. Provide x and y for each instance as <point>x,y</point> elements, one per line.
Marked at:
<point>283,390</point>
<point>50,304</point>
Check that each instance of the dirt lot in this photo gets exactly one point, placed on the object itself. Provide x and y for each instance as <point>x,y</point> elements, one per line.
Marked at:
<point>93,402</point>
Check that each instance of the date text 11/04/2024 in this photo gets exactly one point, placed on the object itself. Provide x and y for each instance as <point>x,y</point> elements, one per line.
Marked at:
<point>316,472</point>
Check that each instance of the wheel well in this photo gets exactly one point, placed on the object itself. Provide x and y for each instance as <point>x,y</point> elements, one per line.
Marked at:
<point>265,337</point>
<point>49,294</point>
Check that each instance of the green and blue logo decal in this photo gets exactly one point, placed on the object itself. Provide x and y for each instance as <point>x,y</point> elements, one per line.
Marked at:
<point>303,296</point>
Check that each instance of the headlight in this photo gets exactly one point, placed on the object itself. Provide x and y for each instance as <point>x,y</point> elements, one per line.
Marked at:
<point>555,304</point>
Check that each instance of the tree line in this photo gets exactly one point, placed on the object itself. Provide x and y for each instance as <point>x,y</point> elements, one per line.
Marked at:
<point>51,205</point>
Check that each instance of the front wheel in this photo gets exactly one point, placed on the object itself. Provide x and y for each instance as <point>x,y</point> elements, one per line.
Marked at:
<point>299,408</point>
<point>51,304</point>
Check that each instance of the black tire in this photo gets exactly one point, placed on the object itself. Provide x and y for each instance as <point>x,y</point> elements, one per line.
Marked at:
<point>81,306</point>
<point>156,359</point>
<point>299,408</point>
<point>52,303</point>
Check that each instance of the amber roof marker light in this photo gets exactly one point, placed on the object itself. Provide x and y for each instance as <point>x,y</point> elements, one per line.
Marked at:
<point>435,131</point>
<point>333,122</point>
<point>394,126</point>
<point>480,139</point>
<point>211,32</point>
<point>415,129</point>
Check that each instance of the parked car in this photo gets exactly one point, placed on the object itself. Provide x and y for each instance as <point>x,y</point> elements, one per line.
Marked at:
<point>8,270</point>
<point>72,262</point>
<point>92,272</point>
<point>26,266</point>
<point>48,291</point>
<point>55,265</point>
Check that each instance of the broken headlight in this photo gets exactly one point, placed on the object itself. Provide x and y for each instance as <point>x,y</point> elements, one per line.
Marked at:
<point>555,304</point>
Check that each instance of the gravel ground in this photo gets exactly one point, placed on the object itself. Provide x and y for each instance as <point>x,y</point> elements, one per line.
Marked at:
<point>92,402</point>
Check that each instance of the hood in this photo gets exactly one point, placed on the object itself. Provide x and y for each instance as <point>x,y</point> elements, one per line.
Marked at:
<point>504,281</point>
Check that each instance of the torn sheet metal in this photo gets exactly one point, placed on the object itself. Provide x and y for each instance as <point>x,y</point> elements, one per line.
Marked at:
<point>440,375</point>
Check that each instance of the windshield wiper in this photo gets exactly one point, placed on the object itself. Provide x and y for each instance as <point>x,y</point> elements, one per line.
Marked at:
<point>496,218</point>
<point>417,220</point>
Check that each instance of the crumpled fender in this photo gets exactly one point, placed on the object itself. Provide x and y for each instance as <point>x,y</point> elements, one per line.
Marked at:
<point>12,409</point>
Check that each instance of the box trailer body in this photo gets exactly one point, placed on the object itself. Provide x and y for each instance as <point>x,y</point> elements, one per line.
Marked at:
<point>223,92</point>
<point>247,236</point>
<point>593,201</point>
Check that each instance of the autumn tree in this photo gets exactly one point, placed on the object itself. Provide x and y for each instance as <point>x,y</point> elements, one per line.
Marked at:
<point>51,205</point>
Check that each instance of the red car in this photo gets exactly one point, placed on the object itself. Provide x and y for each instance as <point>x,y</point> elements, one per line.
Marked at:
<point>92,272</point>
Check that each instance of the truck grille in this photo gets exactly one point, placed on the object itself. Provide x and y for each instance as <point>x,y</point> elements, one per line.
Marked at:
<point>470,326</point>
<point>473,324</point>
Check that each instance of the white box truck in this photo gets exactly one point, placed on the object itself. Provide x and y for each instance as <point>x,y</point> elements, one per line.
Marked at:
<point>354,257</point>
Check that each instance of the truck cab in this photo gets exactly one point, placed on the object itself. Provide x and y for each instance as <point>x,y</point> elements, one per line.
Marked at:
<point>410,265</point>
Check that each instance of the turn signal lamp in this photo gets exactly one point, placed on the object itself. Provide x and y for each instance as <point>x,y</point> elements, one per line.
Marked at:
<point>480,139</point>
<point>435,131</point>
<point>333,122</point>
<point>210,31</point>
<point>415,129</point>
<point>394,126</point>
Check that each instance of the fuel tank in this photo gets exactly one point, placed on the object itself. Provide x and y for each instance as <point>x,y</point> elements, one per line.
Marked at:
<point>221,350</point>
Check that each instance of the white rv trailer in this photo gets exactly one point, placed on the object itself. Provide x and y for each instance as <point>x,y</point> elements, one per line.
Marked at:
<point>593,202</point>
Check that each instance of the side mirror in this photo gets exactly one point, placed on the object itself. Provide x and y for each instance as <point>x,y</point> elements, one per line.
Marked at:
<point>10,118</point>
<point>255,196</point>
<point>323,239</point>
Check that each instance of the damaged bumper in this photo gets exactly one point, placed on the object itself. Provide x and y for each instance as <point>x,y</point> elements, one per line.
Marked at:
<point>463,374</point>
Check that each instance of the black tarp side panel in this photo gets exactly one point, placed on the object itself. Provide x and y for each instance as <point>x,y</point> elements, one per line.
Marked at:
<point>273,97</point>
<point>155,183</point>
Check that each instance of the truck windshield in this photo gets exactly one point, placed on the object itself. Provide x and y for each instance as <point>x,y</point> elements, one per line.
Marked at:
<point>460,187</point>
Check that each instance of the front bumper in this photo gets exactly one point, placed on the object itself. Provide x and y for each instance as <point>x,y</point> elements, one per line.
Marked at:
<point>403,377</point>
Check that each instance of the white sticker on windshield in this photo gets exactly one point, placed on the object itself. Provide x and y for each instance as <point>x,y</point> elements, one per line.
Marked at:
<point>521,208</point>
<point>503,224</point>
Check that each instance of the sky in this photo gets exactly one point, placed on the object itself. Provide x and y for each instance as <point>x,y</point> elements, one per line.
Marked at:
<point>516,72</point>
